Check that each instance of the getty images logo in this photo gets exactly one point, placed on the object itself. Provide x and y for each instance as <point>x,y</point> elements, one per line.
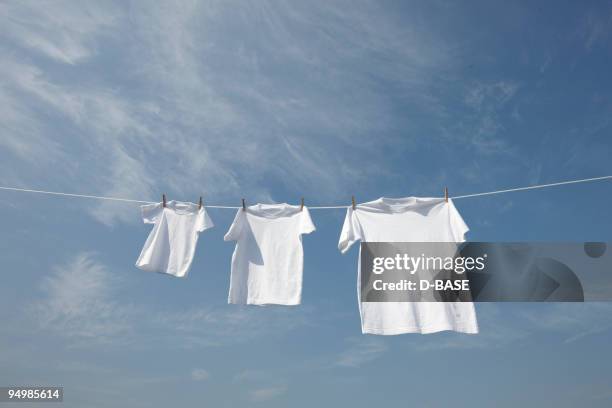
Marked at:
<point>413,264</point>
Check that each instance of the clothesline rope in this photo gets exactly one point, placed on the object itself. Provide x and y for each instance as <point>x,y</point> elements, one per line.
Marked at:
<point>128,200</point>
<point>560,183</point>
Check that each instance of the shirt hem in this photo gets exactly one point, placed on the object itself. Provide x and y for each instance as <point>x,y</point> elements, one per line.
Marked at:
<point>461,328</point>
<point>161,271</point>
<point>256,302</point>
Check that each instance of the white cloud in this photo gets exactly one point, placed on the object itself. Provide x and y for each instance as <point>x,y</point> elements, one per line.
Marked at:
<point>267,393</point>
<point>80,302</point>
<point>250,375</point>
<point>496,330</point>
<point>507,324</point>
<point>361,350</point>
<point>264,391</point>
<point>199,374</point>
<point>77,302</point>
<point>206,98</point>
<point>486,100</point>
<point>595,28</point>
<point>486,96</point>
<point>23,138</point>
<point>64,32</point>
<point>572,320</point>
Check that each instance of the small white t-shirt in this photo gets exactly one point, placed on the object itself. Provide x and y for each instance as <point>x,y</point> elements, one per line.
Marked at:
<point>268,259</point>
<point>409,219</point>
<point>172,241</point>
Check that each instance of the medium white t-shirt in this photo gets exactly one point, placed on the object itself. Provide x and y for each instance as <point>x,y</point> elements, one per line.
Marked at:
<point>172,241</point>
<point>409,219</point>
<point>268,259</point>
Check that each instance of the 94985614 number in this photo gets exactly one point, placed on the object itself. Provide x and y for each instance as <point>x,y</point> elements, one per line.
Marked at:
<point>31,394</point>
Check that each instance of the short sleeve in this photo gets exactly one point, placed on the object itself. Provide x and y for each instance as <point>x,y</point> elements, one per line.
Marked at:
<point>235,230</point>
<point>458,227</point>
<point>204,221</point>
<point>151,212</point>
<point>351,231</point>
<point>306,224</point>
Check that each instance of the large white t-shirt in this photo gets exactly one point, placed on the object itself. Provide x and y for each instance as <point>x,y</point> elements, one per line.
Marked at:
<point>409,219</point>
<point>268,259</point>
<point>172,241</point>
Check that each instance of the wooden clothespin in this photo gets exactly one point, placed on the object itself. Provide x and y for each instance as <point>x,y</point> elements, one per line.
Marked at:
<point>200,203</point>
<point>243,205</point>
<point>164,200</point>
<point>353,200</point>
<point>446,194</point>
<point>302,206</point>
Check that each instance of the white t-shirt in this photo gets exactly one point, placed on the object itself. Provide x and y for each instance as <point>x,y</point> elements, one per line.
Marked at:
<point>409,219</point>
<point>268,259</point>
<point>172,241</point>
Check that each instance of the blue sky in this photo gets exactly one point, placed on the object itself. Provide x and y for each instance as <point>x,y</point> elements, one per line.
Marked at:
<point>272,101</point>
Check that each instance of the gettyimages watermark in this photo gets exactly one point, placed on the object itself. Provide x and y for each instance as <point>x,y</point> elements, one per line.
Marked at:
<point>486,272</point>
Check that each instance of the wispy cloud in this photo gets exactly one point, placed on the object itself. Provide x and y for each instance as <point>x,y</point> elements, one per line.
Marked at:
<point>267,393</point>
<point>505,324</point>
<point>250,376</point>
<point>596,27</point>
<point>68,37</point>
<point>486,100</point>
<point>361,350</point>
<point>497,330</point>
<point>200,374</point>
<point>208,98</point>
<point>79,302</point>
<point>573,321</point>
<point>266,385</point>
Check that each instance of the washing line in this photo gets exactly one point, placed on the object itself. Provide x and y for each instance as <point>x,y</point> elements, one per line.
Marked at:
<point>128,200</point>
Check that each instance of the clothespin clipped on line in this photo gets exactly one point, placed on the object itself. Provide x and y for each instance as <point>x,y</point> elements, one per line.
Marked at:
<point>164,200</point>
<point>446,194</point>
<point>243,205</point>
<point>302,205</point>
<point>200,203</point>
<point>353,200</point>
